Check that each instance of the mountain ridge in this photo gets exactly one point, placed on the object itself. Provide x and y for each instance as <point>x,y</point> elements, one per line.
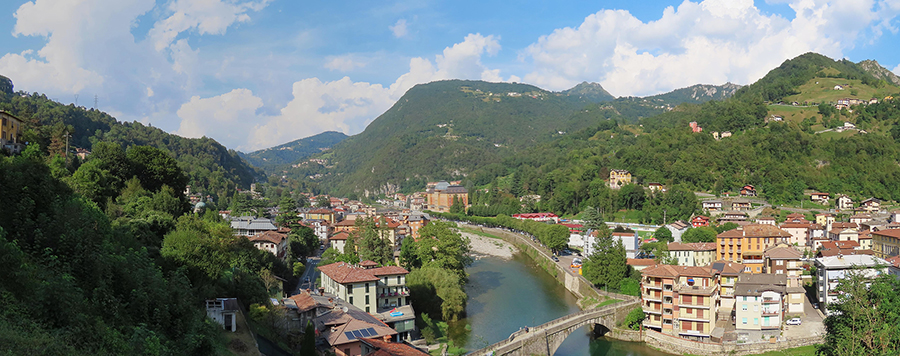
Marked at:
<point>294,151</point>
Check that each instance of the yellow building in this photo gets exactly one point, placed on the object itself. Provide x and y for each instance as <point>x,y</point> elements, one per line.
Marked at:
<point>321,214</point>
<point>886,243</point>
<point>11,132</point>
<point>746,244</point>
<point>618,178</point>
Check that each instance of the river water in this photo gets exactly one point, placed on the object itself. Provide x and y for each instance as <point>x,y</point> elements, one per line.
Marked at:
<point>505,295</point>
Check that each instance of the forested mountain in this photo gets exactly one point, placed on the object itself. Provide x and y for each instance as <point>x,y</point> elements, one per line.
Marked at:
<point>589,91</point>
<point>210,167</point>
<point>697,94</point>
<point>782,158</point>
<point>294,151</point>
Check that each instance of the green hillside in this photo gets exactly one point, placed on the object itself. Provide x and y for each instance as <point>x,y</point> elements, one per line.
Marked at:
<point>294,151</point>
<point>210,167</point>
<point>589,91</point>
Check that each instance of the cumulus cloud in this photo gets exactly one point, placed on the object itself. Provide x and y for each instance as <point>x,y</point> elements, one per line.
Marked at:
<point>224,117</point>
<point>712,41</point>
<point>340,105</point>
<point>399,28</point>
<point>206,16</point>
<point>897,70</point>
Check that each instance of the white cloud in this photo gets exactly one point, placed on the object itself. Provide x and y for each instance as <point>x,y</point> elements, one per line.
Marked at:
<point>713,41</point>
<point>206,16</point>
<point>225,117</point>
<point>399,29</point>
<point>341,105</point>
<point>897,70</point>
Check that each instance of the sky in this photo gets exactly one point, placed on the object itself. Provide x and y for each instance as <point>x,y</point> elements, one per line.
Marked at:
<point>257,73</point>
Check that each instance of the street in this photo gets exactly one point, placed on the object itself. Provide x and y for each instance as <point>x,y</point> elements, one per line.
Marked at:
<point>308,279</point>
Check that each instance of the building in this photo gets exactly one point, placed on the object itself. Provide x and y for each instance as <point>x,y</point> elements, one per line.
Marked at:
<point>886,243</point>
<point>379,347</point>
<point>680,300</point>
<point>695,127</point>
<point>736,217</point>
<point>699,221</point>
<point>697,254</point>
<point>348,226</point>
<point>306,307</point>
<point>727,273</point>
<point>656,187</point>
<point>831,270</point>
<point>741,205</point>
<point>844,203</point>
<point>894,266</point>
<point>368,288</point>
<point>678,228</point>
<point>766,220</point>
<point>339,240</point>
<point>630,240</point>
<point>821,198</point>
<point>712,205</point>
<point>415,221</point>
<point>11,133</point>
<point>870,205</point>
<point>799,230</point>
<point>746,244</point>
<point>343,331</point>
<point>618,178</point>
<point>758,301</point>
<point>224,311</point>
<point>442,196</point>
<point>320,214</point>
<point>825,219</point>
<point>248,226</point>
<point>271,242</point>
<point>748,191</point>
<point>785,260</point>
<point>860,218</point>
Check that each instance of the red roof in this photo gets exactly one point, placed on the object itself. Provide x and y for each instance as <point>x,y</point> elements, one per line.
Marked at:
<point>675,271</point>
<point>535,215</point>
<point>756,230</point>
<point>343,235</point>
<point>321,211</point>
<point>343,273</point>
<point>368,263</point>
<point>387,270</point>
<point>384,348</point>
<point>269,236</point>
<point>640,262</point>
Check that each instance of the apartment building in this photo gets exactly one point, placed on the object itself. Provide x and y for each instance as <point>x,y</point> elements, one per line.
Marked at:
<point>886,243</point>
<point>696,254</point>
<point>728,273</point>
<point>680,300</point>
<point>758,301</point>
<point>832,269</point>
<point>784,260</point>
<point>367,287</point>
<point>746,244</point>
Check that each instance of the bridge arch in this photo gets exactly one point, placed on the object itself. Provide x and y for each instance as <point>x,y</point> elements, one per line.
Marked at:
<point>544,339</point>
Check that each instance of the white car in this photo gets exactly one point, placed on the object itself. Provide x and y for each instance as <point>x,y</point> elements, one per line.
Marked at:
<point>794,321</point>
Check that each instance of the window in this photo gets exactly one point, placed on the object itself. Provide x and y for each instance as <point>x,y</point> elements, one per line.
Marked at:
<point>745,299</point>
<point>351,299</point>
<point>347,352</point>
<point>367,301</point>
<point>755,321</point>
<point>349,288</point>
<point>744,321</point>
<point>367,308</point>
<point>779,262</point>
<point>756,308</point>
<point>744,307</point>
<point>367,290</point>
<point>398,280</point>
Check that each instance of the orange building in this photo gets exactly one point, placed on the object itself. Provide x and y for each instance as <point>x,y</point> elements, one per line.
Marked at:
<point>680,300</point>
<point>746,244</point>
<point>441,197</point>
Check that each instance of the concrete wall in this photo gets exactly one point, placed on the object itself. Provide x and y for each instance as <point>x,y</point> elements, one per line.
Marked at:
<point>678,345</point>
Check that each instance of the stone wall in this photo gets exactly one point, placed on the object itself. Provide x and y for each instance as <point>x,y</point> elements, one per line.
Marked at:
<point>677,345</point>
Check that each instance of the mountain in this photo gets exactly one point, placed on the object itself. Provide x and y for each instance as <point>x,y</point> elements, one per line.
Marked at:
<point>696,94</point>
<point>876,70</point>
<point>294,151</point>
<point>589,91</point>
<point>210,167</point>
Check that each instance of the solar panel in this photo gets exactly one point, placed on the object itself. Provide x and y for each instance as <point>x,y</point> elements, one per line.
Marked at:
<point>349,335</point>
<point>372,331</point>
<point>357,334</point>
<point>365,332</point>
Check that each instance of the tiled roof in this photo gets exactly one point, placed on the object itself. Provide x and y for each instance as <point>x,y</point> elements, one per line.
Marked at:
<point>640,262</point>
<point>346,223</point>
<point>895,233</point>
<point>755,284</point>
<point>343,235</point>
<point>321,211</point>
<point>844,225</point>
<point>783,252</point>
<point>304,301</point>
<point>795,225</point>
<point>388,270</point>
<point>343,273</point>
<point>756,230</point>
<point>337,336</point>
<point>894,261</point>
<point>255,224</point>
<point>675,271</point>
<point>383,348</point>
<point>726,267</point>
<point>694,246</point>
<point>368,263</point>
<point>269,236</point>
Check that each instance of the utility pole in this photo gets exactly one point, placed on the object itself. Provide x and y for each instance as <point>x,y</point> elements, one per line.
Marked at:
<point>67,148</point>
<point>76,99</point>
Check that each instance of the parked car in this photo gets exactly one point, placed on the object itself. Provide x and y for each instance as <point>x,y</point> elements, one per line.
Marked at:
<point>794,321</point>
<point>815,305</point>
<point>554,258</point>
<point>576,263</point>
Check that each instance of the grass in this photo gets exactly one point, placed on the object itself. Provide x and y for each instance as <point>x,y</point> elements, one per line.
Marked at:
<point>628,216</point>
<point>607,302</point>
<point>477,232</point>
<point>797,351</point>
<point>824,91</point>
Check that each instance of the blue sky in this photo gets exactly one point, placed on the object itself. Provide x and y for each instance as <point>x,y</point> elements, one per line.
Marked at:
<point>257,73</point>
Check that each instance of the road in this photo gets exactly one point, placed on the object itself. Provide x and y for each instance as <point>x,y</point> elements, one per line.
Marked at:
<point>308,279</point>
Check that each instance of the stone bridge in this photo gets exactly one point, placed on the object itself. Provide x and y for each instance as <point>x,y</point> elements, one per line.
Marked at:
<point>545,339</point>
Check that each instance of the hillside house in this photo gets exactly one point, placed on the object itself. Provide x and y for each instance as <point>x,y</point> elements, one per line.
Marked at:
<point>271,242</point>
<point>748,191</point>
<point>695,128</point>
<point>618,178</point>
<point>766,220</point>
<point>224,312</point>
<point>870,205</point>
<point>860,218</point>
<point>367,287</point>
<point>11,133</point>
<point>736,217</point>
<point>821,198</point>
<point>712,205</point>
<point>741,205</point>
<point>678,228</point>
<point>844,203</point>
<point>656,187</point>
<point>699,221</point>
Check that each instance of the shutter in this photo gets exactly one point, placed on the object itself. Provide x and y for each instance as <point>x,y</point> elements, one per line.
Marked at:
<point>687,299</point>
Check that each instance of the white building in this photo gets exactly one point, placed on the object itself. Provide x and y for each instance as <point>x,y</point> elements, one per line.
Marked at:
<point>833,269</point>
<point>758,301</point>
<point>630,240</point>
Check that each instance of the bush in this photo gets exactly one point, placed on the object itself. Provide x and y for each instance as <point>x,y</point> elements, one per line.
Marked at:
<point>634,319</point>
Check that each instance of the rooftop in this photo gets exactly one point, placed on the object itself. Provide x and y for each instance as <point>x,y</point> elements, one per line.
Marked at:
<point>269,236</point>
<point>384,348</point>
<point>845,262</point>
<point>755,230</point>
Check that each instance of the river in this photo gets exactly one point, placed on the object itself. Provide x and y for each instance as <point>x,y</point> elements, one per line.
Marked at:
<point>505,295</point>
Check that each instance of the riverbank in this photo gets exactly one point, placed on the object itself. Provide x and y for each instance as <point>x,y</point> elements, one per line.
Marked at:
<point>483,246</point>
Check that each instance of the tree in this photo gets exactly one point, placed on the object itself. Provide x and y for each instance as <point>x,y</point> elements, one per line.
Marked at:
<point>156,168</point>
<point>373,245</point>
<point>439,245</point>
<point>557,237</point>
<point>592,219</point>
<point>634,319</point>
<point>308,345</point>
<point>457,206</point>
<point>607,266</point>
<point>663,234</point>
<point>287,205</point>
<point>323,202</point>
<point>408,257</point>
<point>699,234</point>
<point>431,287</point>
<point>866,319</point>
<point>726,226</point>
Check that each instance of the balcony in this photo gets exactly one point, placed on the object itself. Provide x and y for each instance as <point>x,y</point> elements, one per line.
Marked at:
<point>697,306</point>
<point>770,301</point>
<point>653,286</point>
<point>769,312</point>
<point>752,261</point>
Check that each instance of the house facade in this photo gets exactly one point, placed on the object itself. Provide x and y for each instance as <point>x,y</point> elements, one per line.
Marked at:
<point>832,269</point>
<point>697,254</point>
<point>785,260</point>
<point>680,300</point>
<point>746,244</point>
<point>699,221</point>
<point>442,196</point>
<point>844,203</point>
<point>618,178</point>
<point>369,289</point>
<point>249,226</point>
<point>758,301</point>
<point>886,243</point>
<point>11,133</point>
<point>712,205</point>
<point>272,242</point>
